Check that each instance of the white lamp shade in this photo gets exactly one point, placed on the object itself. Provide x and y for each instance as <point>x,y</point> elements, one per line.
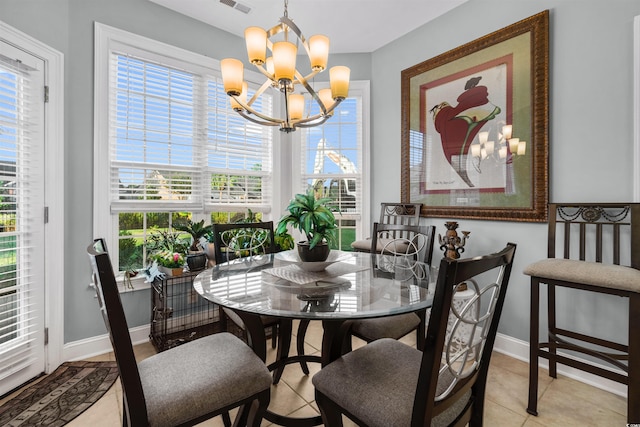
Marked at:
<point>489,146</point>
<point>483,137</point>
<point>503,152</point>
<point>232,75</point>
<point>296,106</point>
<point>243,98</point>
<point>506,131</point>
<point>339,79</point>
<point>256,39</point>
<point>522,148</point>
<point>513,145</point>
<point>284,61</point>
<point>475,150</point>
<point>325,97</point>
<point>318,52</point>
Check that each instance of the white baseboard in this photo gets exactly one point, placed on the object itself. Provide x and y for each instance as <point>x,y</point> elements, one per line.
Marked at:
<point>101,344</point>
<point>519,349</point>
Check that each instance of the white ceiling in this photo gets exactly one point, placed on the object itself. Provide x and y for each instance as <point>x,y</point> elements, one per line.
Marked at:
<point>352,25</point>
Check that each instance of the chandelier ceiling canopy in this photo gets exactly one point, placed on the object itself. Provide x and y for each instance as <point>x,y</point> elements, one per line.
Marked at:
<point>274,53</point>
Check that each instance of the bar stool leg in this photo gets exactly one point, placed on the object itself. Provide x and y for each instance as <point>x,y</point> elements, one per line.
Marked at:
<point>633,391</point>
<point>551,315</point>
<point>534,327</point>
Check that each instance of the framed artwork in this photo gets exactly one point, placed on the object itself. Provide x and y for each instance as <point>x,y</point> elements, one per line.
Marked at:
<point>475,127</point>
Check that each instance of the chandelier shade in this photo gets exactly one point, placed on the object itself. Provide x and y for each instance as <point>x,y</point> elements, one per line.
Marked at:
<point>277,61</point>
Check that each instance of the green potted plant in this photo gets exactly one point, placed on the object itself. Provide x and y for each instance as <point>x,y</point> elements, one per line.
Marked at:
<point>196,258</point>
<point>167,249</point>
<point>315,220</point>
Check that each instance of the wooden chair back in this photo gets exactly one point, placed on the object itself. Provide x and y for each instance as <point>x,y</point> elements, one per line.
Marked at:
<point>403,240</point>
<point>461,369</point>
<point>251,238</point>
<point>400,213</point>
<point>113,314</point>
<point>603,232</point>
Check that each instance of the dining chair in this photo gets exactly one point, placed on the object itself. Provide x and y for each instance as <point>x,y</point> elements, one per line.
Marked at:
<point>592,247</point>
<point>239,240</point>
<point>398,246</point>
<point>392,213</point>
<point>184,385</point>
<point>388,383</point>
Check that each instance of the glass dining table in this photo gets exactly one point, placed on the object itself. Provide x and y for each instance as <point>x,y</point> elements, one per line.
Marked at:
<point>348,286</point>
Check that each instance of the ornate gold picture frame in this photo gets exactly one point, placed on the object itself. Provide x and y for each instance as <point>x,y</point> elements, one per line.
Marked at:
<point>475,127</point>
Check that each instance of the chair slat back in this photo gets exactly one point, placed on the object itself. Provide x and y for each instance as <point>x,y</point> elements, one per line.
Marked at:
<point>116,323</point>
<point>400,213</point>
<point>457,351</point>
<point>417,238</point>
<point>595,232</point>
<point>252,238</point>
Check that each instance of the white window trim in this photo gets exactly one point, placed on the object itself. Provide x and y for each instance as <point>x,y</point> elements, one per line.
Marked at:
<point>54,189</point>
<point>108,39</point>
<point>363,230</point>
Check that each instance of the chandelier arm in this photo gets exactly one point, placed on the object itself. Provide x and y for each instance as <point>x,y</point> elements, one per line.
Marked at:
<point>325,117</point>
<point>305,83</point>
<point>258,92</point>
<point>304,123</point>
<point>260,122</point>
<point>254,112</point>
<point>293,27</point>
<point>264,71</point>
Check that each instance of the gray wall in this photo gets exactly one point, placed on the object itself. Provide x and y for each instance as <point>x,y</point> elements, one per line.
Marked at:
<point>68,25</point>
<point>590,134</point>
<point>590,128</point>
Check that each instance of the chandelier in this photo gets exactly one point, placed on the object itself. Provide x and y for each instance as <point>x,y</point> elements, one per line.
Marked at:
<point>283,76</point>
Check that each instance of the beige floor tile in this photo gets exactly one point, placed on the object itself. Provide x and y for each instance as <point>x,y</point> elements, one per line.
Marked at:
<point>562,402</point>
<point>509,390</point>
<point>562,406</point>
<point>581,391</point>
<point>498,416</point>
<point>284,400</point>
<point>102,413</point>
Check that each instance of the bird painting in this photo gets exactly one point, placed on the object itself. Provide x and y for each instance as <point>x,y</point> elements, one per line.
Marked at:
<point>458,125</point>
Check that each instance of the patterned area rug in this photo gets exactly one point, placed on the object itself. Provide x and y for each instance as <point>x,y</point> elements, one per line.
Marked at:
<point>60,396</point>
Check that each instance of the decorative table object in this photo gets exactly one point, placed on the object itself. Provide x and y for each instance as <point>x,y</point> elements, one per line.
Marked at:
<point>451,243</point>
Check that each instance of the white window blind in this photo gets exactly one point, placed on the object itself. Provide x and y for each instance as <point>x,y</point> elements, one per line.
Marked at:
<point>155,151</point>
<point>239,154</point>
<point>176,145</point>
<point>332,158</point>
<point>21,192</point>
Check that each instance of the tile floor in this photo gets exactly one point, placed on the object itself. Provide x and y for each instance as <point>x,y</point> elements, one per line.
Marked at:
<point>563,402</point>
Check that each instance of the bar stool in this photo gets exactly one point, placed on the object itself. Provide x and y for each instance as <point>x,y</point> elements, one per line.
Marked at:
<point>591,261</point>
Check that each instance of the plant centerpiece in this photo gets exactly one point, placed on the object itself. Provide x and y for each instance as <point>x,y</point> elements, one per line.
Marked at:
<point>196,258</point>
<point>167,249</point>
<point>315,220</point>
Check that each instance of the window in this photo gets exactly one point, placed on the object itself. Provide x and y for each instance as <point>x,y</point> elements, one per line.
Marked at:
<point>167,143</point>
<point>334,162</point>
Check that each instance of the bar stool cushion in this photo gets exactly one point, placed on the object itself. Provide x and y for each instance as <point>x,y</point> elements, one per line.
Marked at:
<point>587,273</point>
<point>170,396</point>
<point>390,366</point>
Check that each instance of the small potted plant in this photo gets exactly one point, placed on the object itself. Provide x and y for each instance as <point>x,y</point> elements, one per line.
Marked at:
<point>170,263</point>
<point>196,258</point>
<point>315,220</point>
<point>167,249</point>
